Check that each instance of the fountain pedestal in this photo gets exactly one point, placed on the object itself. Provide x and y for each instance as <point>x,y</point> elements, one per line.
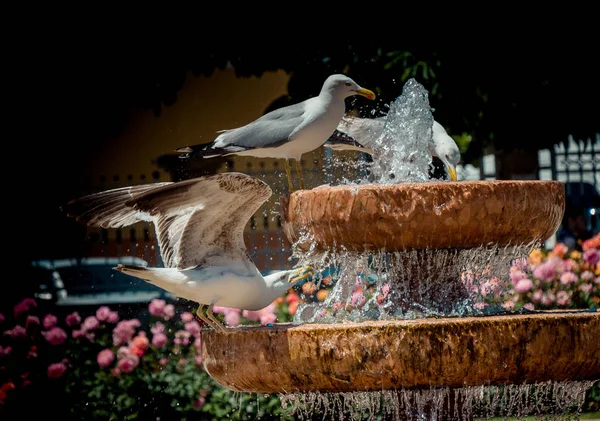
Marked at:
<point>422,219</point>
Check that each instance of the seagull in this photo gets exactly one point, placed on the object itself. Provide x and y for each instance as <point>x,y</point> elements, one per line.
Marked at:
<point>288,132</point>
<point>357,134</point>
<point>199,225</point>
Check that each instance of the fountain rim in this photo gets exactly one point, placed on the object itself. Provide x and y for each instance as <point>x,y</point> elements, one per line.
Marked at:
<point>414,353</point>
<point>423,215</point>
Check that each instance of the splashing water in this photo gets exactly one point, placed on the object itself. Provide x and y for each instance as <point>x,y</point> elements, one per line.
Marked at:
<point>401,143</point>
<point>410,284</point>
<point>544,401</point>
<point>401,152</point>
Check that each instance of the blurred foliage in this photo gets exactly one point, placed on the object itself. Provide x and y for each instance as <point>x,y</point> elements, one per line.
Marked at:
<point>519,90</point>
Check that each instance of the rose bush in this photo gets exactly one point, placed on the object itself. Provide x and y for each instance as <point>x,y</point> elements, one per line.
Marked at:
<point>104,366</point>
<point>557,278</point>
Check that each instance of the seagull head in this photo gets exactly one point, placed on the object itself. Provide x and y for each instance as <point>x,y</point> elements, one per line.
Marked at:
<point>445,148</point>
<point>341,85</point>
<point>286,279</point>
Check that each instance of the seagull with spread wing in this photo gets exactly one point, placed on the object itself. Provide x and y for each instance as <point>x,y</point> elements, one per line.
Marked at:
<point>199,225</point>
<point>288,132</point>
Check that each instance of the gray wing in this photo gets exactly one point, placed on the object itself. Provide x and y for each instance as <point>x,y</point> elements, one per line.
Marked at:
<point>356,134</point>
<point>109,209</point>
<point>339,141</point>
<point>269,131</point>
<point>196,220</point>
<point>362,130</point>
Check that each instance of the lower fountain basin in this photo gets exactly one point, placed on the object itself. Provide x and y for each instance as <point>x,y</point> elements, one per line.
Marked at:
<point>384,355</point>
<point>430,215</point>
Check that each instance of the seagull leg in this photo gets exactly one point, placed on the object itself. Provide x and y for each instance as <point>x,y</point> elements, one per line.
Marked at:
<point>299,171</point>
<point>202,316</point>
<point>288,171</point>
<point>216,323</point>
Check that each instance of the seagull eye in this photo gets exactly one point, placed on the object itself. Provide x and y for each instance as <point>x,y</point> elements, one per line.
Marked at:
<point>348,84</point>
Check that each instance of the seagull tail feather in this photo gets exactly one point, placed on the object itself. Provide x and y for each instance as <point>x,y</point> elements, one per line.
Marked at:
<point>204,150</point>
<point>133,270</point>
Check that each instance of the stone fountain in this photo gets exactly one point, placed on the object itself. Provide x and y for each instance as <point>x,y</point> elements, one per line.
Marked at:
<point>426,329</point>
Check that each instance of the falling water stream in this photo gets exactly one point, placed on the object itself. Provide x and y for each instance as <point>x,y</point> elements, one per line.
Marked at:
<point>542,401</point>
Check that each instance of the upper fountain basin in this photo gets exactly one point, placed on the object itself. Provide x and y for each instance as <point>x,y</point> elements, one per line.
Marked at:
<point>428,215</point>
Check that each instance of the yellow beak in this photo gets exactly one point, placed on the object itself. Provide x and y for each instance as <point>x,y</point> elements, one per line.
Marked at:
<point>301,274</point>
<point>451,172</point>
<point>366,93</point>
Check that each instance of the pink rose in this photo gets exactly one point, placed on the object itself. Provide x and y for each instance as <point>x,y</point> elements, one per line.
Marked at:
<point>268,318</point>
<point>358,300</point>
<point>49,321</point>
<point>105,358</point>
<point>568,278</point>
<point>587,276</point>
<point>572,265</point>
<point>516,275</point>
<point>90,323</point>
<point>548,299</point>
<point>591,256</point>
<point>55,336</point>
<point>563,298</point>
<point>545,271</point>
<point>253,316</point>
<point>157,307</point>
<point>182,337</point>
<point>124,331</point>
<point>193,327</point>
<point>529,306</point>
<point>157,328</point>
<point>169,311</point>
<point>537,296</point>
<point>187,317</point>
<point>123,352</point>
<point>159,340</point>
<point>73,319</point>
<point>219,310</point>
<point>17,332</point>
<point>523,286</point>
<point>586,288</point>
<point>24,307</point>
<point>78,333</point>
<point>56,370</point>
<point>198,344</point>
<point>198,359</point>
<point>102,313</point>
<point>233,318</point>
<point>128,364</point>
<point>113,317</point>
